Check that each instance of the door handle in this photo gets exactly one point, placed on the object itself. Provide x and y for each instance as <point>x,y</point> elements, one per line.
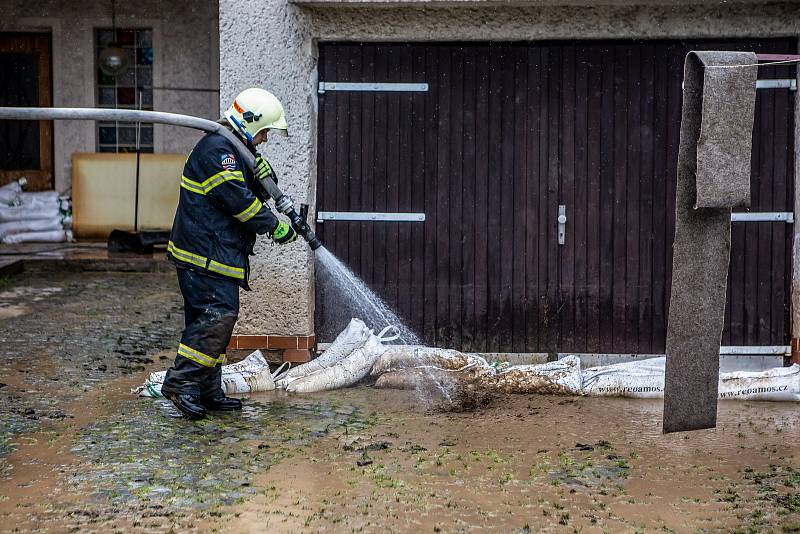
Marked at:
<point>562,223</point>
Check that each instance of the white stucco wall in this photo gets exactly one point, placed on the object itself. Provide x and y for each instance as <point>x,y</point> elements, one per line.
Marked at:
<point>185,54</point>
<point>279,53</point>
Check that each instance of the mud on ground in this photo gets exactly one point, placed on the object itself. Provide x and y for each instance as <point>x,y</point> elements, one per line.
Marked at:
<point>79,453</point>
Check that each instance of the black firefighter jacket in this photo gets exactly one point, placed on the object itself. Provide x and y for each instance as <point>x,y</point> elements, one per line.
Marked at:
<point>219,213</point>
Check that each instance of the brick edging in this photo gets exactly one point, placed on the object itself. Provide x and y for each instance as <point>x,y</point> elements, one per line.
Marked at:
<point>271,342</point>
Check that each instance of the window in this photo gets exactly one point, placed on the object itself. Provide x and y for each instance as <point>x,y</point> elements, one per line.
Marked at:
<point>132,89</point>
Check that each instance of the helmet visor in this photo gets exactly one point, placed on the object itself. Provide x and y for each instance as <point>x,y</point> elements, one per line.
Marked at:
<point>280,131</point>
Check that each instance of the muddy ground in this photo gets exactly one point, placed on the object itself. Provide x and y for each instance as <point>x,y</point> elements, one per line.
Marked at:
<point>79,453</point>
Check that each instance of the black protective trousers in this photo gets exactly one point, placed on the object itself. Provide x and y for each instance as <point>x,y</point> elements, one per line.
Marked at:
<point>211,307</point>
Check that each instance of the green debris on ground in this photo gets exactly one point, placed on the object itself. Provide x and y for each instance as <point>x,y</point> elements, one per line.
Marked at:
<point>147,455</point>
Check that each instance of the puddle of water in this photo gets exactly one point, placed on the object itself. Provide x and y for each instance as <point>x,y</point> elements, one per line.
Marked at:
<point>153,455</point>
<point>35,293</point>
<point>7,311</point>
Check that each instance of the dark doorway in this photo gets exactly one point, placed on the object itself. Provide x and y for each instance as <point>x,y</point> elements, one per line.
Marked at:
<point>26,147</point>
<point>507,133</point>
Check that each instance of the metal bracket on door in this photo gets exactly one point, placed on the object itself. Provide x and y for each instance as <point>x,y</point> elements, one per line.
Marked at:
<point>787,83</point>
<point>562,223</point>
<point>360,86</point>
<point>323,216</point>
<point>764,216</point>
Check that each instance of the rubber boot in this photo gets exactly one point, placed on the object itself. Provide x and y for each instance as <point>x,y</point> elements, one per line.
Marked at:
<point>213,396</point>
<point>221,403</point>
<point>188,405</point>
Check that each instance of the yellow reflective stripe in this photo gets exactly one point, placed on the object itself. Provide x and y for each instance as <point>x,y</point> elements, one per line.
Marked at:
<point>221,178</point>
<point>200,261</point>
<point>222,358</point>
<point>250,211</point>
<point>185,255</point>
<point>192,189</point>
<point>210,183</point>
<point>196,356</point>
<point>228,270</point>
<point>230,175</point>
<point>191,185</point>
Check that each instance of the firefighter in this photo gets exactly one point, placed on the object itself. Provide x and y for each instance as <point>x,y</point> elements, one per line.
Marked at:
<point>220,211</point>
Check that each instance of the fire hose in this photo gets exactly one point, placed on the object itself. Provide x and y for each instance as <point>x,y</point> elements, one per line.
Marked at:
<point>283,203</point>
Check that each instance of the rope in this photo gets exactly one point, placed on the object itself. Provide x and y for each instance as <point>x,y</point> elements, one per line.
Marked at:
<point>384,338</point>
<point>767,64</point>
<point>279,372</point>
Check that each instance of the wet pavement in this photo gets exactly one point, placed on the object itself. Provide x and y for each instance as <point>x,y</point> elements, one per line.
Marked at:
<point>78,452</point>
<point>64,333</point>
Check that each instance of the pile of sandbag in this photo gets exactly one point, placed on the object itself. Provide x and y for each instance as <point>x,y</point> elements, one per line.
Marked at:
<point>348,359</point>
<point>33,217</point>
<point>358,352</point>
<point>644,379</point>
<point>421,368</point>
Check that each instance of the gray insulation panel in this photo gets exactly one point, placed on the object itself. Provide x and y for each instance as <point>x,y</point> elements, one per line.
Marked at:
<point>713,177</point>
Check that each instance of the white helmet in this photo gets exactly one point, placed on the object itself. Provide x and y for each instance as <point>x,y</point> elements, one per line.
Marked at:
<point>254,110</point>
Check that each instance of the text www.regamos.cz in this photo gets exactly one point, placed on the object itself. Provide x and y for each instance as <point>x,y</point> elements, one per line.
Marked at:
<point>637,389</point>
<point>753,391</point>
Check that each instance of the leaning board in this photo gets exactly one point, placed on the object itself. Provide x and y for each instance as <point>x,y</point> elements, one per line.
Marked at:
<point>104,192</point>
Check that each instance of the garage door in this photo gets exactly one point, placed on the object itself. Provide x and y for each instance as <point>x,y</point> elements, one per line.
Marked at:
<point>506,138</point>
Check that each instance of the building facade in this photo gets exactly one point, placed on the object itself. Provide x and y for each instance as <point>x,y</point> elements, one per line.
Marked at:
<point>497,76</point>
<point>173,65</point>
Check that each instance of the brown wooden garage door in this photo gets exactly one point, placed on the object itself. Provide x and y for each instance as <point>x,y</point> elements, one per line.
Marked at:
<point>506,134</point>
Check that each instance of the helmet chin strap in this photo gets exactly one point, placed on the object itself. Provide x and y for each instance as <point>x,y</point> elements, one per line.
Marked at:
<point>242,129</point>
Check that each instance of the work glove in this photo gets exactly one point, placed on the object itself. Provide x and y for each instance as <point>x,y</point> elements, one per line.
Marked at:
<point>264,169</point>
<point>283,233</point>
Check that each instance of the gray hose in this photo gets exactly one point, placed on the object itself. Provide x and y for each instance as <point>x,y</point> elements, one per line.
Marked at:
<point>128,115</point>
<point>282,202</point>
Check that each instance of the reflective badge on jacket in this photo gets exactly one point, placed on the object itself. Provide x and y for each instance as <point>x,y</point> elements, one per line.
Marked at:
<point>228,162</point>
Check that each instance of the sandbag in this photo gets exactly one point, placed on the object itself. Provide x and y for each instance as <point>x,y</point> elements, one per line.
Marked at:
<point>22,212</point>
<point>351,338</point>
<point>559,377</point>
<point>645,379</point>
<point>431,378</point>
<point>397,357</point>
<point>9,194</point>
<point>779,384</point>
<point>247,376</point>
<point>50,236</point>
<point>40,198</point>
<point>413,378</point>
<point>346,372</point>
<point>33,225</point>
<point>642,379</point>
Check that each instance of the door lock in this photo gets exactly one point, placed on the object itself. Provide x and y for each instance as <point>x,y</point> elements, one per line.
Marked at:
<point>562,223</point>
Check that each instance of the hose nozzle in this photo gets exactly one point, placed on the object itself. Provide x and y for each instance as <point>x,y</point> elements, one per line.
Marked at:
<point>301,226</point>
<point>284,204</point>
